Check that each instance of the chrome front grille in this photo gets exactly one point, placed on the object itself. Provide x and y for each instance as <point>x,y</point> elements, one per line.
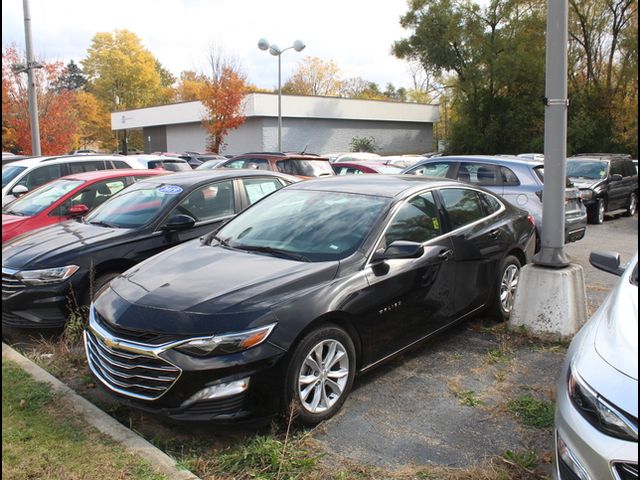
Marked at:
<point>129,370</point>
<point>626,471</point>
<point>10,283</point>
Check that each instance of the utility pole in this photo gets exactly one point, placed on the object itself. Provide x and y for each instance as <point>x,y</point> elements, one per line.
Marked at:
<point>551,297</point>
<point>28,68</point>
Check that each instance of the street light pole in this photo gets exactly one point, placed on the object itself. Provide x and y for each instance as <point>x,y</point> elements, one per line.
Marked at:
<point>31,82</point>
<point>274,50</point>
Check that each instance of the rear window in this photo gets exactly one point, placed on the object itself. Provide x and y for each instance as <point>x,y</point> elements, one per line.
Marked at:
<point>540,173</point>
<point>306,168</point>
<point>36,201</point>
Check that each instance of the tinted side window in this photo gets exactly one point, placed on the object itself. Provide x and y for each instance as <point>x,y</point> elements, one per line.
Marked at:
<point>41,175</point>
<point>416,221</point>
<point>508,177</point>
<point>432,170</point>
<point>463,206</point>
<point>120,164</point>
<point>256,164</point>
<point>209,202</point>
<point>629,169</point>
<point>616,168</point>
<point>491,205</point>
<point>95,194</point>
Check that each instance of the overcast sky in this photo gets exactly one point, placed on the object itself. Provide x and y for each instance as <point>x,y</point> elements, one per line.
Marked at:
<point>356,34</point>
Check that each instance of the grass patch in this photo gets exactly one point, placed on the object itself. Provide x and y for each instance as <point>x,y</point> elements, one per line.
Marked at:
<point>468,398</point>
<point>531,411</point>
<point>497,355</point>
<point>43,438</point>
<point>526,459</point>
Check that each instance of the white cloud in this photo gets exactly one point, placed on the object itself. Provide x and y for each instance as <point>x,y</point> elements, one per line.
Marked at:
<point>356,34</point>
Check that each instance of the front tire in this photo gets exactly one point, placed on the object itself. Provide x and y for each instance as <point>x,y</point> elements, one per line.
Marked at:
<point>320,374</point>
<point>632,206</point>
<point>596,213</point>
<point>508,278</point>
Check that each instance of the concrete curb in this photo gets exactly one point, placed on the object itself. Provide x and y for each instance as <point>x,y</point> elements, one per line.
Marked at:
<point>159,460</point>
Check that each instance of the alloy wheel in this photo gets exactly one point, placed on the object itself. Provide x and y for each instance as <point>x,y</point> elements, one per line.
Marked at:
<point>323,376</point>
<point>508,286</point>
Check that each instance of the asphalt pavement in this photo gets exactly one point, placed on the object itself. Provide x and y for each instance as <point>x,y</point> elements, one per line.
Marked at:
<point>411,412</point>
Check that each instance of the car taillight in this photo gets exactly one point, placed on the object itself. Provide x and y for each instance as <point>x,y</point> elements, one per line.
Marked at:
<point>532,220</point>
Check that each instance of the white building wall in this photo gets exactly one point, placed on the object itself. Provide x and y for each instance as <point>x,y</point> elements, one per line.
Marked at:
<point>310,135</point>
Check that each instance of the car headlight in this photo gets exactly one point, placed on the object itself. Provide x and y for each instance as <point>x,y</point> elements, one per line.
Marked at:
<point>600,413</point>
<point>46,276</point>
<point>227,343</point>
<point>586,194</point>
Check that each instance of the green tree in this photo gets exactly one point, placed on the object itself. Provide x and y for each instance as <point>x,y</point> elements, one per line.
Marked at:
<point>118,66</point>
<point>496,57</point>
<point>363,144</point>
<point>72,79</point>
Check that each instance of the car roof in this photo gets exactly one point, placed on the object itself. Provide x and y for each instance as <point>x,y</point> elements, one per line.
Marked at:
<point>377,185</point>
<point>480,158</point>
<point>55,159</point>
<point>374,165</point>
<point>113,173</point>
<point>279,156</point>
<point>195,177</point>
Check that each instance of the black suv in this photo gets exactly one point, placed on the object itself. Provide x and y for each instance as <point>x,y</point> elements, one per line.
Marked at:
<point>607,183</point>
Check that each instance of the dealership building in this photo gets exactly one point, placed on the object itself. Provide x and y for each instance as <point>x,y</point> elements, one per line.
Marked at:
<point>310,124</point>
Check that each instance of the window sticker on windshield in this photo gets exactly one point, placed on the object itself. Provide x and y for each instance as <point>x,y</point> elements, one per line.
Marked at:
<point>170,189</point>
<point>436,223</point>
<point>602,172</point>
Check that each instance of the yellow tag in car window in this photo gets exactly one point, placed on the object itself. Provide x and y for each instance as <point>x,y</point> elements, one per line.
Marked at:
<point>436,224</point>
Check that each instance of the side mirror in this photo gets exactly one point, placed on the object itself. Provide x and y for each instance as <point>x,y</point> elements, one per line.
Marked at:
<point>616,177</point>
<point>77,210</point>
<point>19,190</point>
<point>607,261</point>
<point>179,222</point>
<point>399,249</point>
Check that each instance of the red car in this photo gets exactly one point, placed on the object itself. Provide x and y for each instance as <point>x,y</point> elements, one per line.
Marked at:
<point>350,168</point>
<point>65,198</point>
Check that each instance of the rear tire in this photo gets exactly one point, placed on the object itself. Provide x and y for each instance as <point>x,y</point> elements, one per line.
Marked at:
<point>320,374</point>
<point>507,282</point>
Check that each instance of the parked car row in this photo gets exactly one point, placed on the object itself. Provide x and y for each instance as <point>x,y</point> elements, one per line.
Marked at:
<point>230,293</point>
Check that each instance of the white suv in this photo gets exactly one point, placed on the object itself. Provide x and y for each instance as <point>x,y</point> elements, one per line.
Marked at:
<point>24,175</point>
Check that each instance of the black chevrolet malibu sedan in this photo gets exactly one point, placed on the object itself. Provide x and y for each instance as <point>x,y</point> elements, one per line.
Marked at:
<point>49,270</point>
<point>290,300</point>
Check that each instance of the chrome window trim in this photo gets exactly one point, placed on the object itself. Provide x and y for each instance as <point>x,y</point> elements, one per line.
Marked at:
<point>444,235</point>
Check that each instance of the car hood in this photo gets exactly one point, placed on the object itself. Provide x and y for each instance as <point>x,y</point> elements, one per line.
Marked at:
<point>42,248</point>
<point>583,183</point>
<point>200,281</point>
<point>616,339</point>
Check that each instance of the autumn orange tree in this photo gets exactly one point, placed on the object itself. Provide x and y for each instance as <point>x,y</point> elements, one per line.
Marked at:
<point>58,122</point>
<point>223,96</point>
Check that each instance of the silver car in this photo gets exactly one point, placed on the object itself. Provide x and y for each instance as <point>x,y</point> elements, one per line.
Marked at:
<point>596,426</point>
<point>518,180</point>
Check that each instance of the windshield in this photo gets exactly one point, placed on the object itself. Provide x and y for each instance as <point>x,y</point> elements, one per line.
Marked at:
<point>589,169</point>
<point>176,166</point>
<point>208,165</point>
<point>135,206</point>
<point>9,173</point>
<point>305,168</point>
<point>41,198</point>
<point>314,225</point>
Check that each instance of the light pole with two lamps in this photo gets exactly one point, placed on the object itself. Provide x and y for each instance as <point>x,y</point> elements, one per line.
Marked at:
<point>276,51</point>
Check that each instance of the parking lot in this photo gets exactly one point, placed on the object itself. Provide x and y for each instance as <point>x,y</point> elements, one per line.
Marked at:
<point>447,403</point>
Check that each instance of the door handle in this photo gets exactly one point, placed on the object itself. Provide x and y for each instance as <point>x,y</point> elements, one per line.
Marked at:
<point>445,254</point>
<point>494,234</point>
